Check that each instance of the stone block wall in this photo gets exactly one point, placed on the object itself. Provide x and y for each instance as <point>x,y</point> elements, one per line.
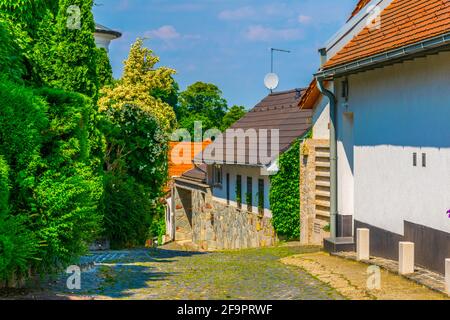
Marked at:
<point>314,191</point>
<point>217,226</point>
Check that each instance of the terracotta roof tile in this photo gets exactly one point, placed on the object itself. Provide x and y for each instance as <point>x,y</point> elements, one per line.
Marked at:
<point>361,4</point>
<point>403,22</point>
<point>175,169</point>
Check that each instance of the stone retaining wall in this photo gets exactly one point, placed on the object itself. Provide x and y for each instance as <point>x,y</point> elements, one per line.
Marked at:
<point>216,226</point>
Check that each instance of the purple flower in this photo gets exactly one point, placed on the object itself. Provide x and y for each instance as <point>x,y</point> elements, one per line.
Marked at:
<point>448,212</point>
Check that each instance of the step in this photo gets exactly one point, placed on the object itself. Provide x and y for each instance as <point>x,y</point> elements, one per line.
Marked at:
<point>323,193</point>
<point>323,164</point>
<point>322,203</point>
<point>323,183</point>
<point>322,213</point>
<point>322,155</point>
<point>324,174</point>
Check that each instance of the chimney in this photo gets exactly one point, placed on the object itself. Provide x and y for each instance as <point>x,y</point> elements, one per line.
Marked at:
<point>323,56</point>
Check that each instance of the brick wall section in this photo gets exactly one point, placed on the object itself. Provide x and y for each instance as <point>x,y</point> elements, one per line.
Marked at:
<point>314,191</point>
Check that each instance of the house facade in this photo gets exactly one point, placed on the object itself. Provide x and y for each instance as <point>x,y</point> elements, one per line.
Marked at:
<point>388,110</point>
<point>224,202</point>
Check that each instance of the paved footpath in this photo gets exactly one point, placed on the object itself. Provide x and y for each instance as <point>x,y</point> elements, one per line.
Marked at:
<point>174,274</point>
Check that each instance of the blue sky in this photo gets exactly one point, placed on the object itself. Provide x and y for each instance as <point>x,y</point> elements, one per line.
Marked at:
<point>227,42</point>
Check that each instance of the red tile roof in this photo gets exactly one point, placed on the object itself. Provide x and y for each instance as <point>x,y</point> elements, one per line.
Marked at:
<point>175,168</point>
<point>361,4</point>
<point>403,22</point>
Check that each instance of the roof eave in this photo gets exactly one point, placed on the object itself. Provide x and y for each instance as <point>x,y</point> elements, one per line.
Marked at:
<point>387,57</point>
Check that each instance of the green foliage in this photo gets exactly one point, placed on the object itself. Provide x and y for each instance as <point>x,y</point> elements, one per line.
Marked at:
<point>202,99</point>
<point>104,69</point>
<point>136,164</point>
<point>234,114</point>
<point>4,187</point>
<point>68,192</point>
<point>10,55</point>
<point>128,209</point>
<point>285,194</point>
<point>17,244</point>
<point>158,225</point>
<point>65,58</point>
<point>43,135</point>
<point>169,96</point>
<point>188,123</point>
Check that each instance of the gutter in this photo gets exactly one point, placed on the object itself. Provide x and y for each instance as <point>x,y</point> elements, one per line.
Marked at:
<point>386,57</point>
<point>333,157</point>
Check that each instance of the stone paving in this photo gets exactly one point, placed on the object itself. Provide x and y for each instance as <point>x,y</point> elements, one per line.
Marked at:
<point>352,279</point>
<point>168,273</point>
<point>422,276</point>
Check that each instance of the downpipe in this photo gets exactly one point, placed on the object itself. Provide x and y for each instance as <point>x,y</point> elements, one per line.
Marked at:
<point>333,157</point>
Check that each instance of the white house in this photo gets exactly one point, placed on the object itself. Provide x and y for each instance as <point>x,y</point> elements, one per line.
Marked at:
<point>388,112</point>
<point>224,202</point>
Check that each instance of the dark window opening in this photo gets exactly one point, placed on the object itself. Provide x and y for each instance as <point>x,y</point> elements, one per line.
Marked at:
<point>228,189</point>
<point>261,196</point>
<point>415,159</point>
<point>239,191</point>
<point>424,160</point>
<point>249,195</point>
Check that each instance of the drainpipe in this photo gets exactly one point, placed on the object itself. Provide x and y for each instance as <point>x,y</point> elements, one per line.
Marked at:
<point>333,157</point>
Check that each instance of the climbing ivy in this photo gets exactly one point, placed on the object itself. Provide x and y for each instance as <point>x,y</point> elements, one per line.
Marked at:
<point>285,193</point>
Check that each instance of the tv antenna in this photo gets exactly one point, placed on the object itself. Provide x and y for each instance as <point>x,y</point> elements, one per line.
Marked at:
<point>271,80</point>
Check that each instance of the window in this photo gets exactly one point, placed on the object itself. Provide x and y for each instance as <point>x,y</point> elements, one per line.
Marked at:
<point>239,191</point>
<point>249,194</point>
<point>415,159</point>
<point>217,175</point>
<point>228,189</point>
<point>424,160</point>
<point>261,196</point>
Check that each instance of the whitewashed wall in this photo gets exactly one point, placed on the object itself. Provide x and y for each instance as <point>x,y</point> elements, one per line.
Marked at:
<point>397,110</point>
<point>220,194</point>
<point>321,119</point>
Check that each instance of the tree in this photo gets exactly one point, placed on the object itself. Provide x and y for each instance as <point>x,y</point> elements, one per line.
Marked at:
<point>104,69</point>
<point>139,80</point>
<point>11,59</point>
<point>136,121</point>
<point>65,54</point>
<point>234,114</point>
<point>136,171</point>
<point>203,99</point>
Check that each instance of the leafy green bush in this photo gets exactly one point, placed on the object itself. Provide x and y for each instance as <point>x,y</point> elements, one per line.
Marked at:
<point>128,211</point>
<point>68,192</point>
<point>285,194</point>
<point>44,137</point>
<point>10,57</point>
<point>17,244</point>
<point>136,171</point>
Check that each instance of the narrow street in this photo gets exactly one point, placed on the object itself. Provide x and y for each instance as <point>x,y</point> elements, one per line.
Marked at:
<point>168,273</point>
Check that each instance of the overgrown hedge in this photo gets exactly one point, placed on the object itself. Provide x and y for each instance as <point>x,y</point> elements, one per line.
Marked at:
<point>54,189</point>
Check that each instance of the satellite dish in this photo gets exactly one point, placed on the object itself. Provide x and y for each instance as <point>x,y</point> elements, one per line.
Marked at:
<point>271,81</point>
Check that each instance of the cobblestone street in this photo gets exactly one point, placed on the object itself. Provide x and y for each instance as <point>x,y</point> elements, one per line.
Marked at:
<point>174,274</point>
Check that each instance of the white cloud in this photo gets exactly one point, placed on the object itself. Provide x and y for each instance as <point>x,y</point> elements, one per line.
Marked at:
<point>238,14</point>
<point>304,19</point>
<point>164,33</point>
<point>260,33</point>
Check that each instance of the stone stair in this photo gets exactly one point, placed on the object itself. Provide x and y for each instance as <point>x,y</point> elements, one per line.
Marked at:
<point>322,182</point>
